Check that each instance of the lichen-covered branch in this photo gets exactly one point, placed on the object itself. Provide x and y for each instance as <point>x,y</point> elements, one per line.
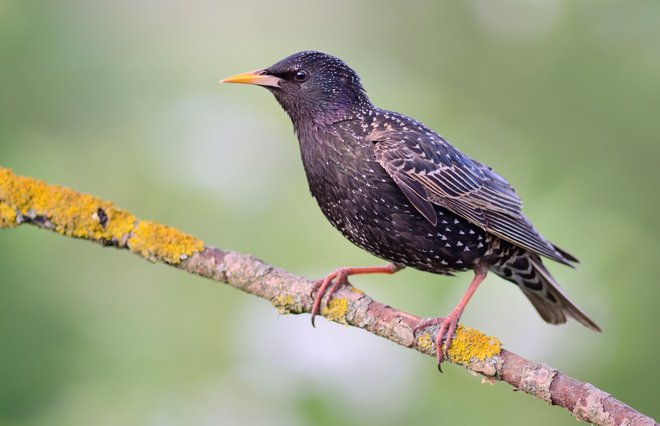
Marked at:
<point>26,200</point>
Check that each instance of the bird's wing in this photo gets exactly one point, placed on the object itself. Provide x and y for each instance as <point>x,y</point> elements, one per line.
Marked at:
<point>430,171</point>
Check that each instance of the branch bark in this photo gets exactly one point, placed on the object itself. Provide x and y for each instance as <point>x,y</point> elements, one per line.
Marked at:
<point>24,200</point>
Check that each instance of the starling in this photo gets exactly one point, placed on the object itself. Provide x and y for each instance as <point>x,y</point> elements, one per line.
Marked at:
<point>399,190</point>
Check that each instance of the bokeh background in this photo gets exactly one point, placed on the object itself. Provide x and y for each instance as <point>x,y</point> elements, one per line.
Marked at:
<point>120,99</point>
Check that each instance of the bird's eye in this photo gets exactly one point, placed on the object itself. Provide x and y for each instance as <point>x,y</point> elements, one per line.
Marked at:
<point>300,75</point>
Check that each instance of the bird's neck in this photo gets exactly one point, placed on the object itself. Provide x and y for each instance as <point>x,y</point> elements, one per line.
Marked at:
<point>322,122</point>
<point>313,113</point>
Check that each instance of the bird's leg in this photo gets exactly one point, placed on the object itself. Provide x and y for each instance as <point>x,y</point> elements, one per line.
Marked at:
<point>449,323</point>
<point>340,277</point>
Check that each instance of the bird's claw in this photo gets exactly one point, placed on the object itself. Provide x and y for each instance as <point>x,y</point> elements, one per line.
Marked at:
<point>337,279</point>
<point>428,322</point>
<point>445,334</point>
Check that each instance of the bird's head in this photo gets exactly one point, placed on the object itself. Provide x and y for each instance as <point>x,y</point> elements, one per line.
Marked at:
<point>310,86</point>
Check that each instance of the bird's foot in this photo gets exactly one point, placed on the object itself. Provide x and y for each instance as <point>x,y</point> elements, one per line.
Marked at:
<point>428,322</point>
<point>446,332</point>
<point>449,323</point>
<point>339,278</point>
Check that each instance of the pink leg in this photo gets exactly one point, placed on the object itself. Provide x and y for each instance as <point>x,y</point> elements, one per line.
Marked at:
<point>449,323</point>
<point>340,277</point>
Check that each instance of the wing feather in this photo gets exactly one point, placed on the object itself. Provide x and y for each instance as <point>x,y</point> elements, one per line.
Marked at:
<point>431,171</point>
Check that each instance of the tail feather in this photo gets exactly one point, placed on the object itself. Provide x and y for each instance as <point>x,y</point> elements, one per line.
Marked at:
<point>556,299</point>
<point>549,313</point>
<point>526,269</point>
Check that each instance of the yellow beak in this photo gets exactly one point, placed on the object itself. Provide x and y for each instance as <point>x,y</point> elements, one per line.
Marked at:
<point>258,77</point>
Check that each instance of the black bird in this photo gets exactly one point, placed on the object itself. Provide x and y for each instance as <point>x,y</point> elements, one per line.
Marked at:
<point>399,190</point>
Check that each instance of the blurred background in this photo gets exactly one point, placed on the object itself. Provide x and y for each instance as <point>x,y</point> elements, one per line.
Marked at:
<point>121,99</point>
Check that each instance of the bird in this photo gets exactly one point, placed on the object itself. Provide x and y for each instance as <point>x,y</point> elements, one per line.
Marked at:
<point>399,190</point>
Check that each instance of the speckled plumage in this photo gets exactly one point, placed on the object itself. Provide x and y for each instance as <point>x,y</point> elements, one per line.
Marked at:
<point>363,202</point>
<point>399,190</point>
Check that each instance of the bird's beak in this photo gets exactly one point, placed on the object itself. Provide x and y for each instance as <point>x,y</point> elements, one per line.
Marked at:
<point>258,77</point>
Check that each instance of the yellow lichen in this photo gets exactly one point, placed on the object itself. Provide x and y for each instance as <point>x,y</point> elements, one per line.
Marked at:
<point>70,213</point>
<point>336,310</point>
<point>7,216</point>
<point>84,216</point>
<point>284,303</point>
<point>425,342</point>
<point>159,242</point>
<point>472,345</point>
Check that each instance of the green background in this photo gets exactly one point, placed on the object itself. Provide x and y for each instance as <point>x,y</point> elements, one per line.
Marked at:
<point>120,99</point>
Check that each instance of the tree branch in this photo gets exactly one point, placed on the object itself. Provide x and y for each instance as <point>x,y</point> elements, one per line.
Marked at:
<point>26,200</point>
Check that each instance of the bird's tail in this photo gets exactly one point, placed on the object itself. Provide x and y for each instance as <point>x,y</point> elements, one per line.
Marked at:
<point>527,271</point>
